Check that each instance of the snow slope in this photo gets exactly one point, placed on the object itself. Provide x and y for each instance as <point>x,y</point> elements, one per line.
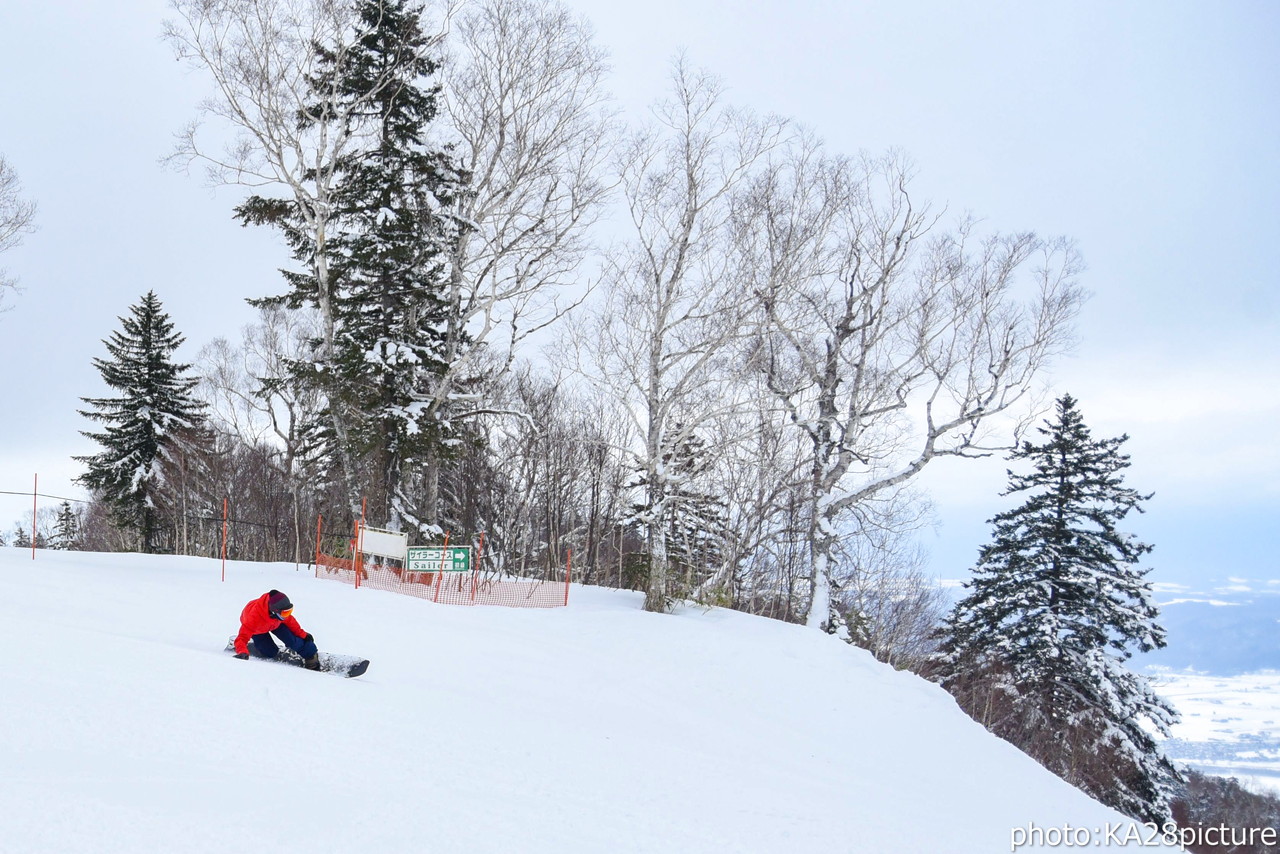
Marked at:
<point>124,727</point>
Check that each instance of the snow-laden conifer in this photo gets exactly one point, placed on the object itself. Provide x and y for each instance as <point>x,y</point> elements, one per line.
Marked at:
<point>695,518</point>
<point>67,528</point>
<point>394,234</point>
<point>152,416</point>
<point>1056,605</point>
<point>383,302</point>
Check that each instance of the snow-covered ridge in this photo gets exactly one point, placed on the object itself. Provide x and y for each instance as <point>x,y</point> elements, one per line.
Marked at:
<point>594,728</point>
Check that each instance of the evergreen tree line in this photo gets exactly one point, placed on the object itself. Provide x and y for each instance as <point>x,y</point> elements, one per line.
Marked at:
<point>54,528</point>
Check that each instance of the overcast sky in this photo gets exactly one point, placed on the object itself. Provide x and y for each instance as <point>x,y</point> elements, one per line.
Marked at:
<point>1147,131</point>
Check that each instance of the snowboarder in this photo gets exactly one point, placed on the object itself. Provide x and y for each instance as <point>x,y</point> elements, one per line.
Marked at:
<point>272,614</point>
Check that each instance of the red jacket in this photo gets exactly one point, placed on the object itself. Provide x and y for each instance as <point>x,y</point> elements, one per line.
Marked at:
<point>256,619</point>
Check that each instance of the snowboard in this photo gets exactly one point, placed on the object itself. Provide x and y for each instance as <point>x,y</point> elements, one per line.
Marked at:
<point>349,666</point>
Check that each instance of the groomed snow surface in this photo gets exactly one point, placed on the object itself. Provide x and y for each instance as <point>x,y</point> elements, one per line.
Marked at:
<point>125,728</point>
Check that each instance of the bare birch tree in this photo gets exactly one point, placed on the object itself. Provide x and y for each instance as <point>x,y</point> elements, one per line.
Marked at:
<point>527,117</point>
<point>658,343</point>
<point>17,217</point>
<point>524,93</point>
<point>893,609</point>
<point>889,346</point>
<point>760,474</point>
<point>250,391</point>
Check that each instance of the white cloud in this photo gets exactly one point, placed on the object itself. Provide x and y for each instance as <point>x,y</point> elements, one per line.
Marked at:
<point>1201,426</point>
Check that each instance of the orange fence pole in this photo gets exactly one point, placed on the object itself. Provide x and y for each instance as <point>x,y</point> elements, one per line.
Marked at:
<point>319,528</point>
<point>568,569</point>
<point>35,489</point>
<point>359,555</point>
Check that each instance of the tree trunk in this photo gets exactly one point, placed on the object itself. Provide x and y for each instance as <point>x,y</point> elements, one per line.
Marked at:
<point>431,490</point>
<point>655,597</point>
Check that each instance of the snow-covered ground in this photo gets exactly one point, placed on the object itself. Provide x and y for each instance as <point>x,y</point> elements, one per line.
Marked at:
<point>126,729</point>
<point>1230,724</point>
<point>1221,670</point>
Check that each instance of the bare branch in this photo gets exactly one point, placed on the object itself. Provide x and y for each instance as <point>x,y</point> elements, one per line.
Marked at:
<point>17,216</point>
<point>889,345</point>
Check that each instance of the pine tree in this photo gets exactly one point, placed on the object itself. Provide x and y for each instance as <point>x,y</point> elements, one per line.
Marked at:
<point>148,422</point>
<point>67,531</point>
<point>695,519</point>
<point>387,304</point>
<point>1037,647</point>
<point>394,235</point>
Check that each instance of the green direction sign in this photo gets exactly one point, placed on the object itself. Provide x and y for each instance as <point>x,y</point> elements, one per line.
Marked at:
<point>436,559</point>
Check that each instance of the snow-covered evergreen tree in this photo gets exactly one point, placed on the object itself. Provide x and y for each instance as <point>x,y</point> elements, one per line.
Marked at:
<point>394,234</point>
<point>66,533</point>
<point>1055,606</point>
<point>154,414</point>
<point>389,233</point>
<point>696,519</point>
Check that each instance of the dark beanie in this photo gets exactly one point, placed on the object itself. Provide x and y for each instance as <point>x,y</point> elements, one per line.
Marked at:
<point>277,602</point>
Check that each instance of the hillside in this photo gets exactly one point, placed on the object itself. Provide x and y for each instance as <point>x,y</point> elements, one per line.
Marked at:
<point>125,728</point>
<point>1227,631</point>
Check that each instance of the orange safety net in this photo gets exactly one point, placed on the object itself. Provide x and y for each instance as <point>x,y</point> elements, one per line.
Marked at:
<point>450,588</point>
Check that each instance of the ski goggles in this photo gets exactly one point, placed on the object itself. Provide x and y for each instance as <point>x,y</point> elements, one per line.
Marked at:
<point>280,615</point>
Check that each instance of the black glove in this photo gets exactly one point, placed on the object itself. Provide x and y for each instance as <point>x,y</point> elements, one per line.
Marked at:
<point>243,656</point>
<point>309,638</point>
